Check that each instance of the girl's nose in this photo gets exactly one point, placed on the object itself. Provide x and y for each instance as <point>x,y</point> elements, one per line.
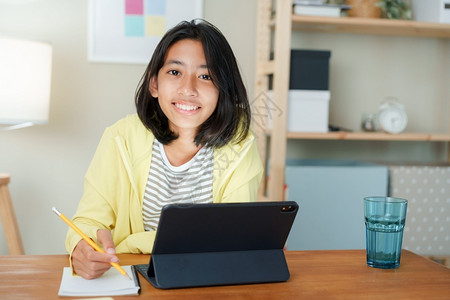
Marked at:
<point>187,86</point>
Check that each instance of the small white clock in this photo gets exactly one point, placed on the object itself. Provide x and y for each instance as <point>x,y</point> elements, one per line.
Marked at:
<point>392,117</point>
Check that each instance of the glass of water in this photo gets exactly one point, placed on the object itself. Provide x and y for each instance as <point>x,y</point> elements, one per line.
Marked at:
<point>385,219</point>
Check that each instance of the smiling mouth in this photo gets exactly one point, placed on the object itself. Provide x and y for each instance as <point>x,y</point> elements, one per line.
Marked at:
<point>186,107</point>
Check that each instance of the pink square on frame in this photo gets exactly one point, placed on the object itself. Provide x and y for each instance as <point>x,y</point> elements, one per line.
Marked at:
<point>134,7</point>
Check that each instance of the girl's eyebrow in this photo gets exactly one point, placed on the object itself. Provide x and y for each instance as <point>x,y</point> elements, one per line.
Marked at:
<point>173,62</point>
<point>178,62</point>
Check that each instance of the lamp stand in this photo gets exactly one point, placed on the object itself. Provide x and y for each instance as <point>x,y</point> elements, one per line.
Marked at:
<point>8,217</point>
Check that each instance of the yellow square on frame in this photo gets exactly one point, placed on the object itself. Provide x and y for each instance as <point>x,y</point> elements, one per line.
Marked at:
<point>155,25</point>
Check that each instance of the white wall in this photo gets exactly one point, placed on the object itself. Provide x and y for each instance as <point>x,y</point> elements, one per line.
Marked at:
<point>47,163</point>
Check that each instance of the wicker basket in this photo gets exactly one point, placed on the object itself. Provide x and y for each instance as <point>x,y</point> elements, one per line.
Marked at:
<point>364,9</point>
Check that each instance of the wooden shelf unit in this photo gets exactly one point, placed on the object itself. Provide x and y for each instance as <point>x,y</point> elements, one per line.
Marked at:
<point>368,136</point>
<point>370,26</point>
<point>282,25</point>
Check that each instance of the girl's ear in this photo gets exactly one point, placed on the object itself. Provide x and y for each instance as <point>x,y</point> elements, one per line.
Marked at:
<point>153,88</point>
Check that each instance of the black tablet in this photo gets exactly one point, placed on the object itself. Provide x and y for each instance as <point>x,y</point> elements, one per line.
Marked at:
<point>220,244</point>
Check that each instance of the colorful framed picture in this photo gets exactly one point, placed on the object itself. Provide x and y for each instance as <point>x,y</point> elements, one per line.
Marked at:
<point>127,31</point>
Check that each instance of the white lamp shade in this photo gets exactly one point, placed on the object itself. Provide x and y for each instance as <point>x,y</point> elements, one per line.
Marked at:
<point>25,75</point>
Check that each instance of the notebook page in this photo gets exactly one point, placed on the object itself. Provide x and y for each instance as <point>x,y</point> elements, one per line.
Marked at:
<point>111,283</point>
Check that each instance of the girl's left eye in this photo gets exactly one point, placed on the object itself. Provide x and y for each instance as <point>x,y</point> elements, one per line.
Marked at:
<point>206,77</point>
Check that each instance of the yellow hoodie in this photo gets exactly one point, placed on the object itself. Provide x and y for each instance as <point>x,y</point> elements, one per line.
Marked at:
<point>115,182</point>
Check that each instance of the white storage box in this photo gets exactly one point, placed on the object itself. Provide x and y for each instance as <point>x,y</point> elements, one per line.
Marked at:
<point>307,110</point>
<point>437,11</point>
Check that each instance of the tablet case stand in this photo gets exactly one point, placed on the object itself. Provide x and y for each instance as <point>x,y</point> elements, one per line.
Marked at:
<point>221,253</point>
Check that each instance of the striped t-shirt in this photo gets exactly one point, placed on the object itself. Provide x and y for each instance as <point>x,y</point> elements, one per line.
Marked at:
<point>166,184</point>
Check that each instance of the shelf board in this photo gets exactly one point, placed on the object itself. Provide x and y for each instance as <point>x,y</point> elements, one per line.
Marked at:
<point>370,26</point>
<point>370,136</point>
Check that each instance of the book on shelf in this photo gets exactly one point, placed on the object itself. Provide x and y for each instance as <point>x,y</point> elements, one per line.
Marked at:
<point>314,8</point>
<point>111,283</point>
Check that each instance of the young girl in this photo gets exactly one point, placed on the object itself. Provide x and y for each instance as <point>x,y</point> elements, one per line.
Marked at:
<point>189,143</point>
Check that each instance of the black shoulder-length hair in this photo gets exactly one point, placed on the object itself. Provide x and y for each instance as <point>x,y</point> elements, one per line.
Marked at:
<point>230,122</point>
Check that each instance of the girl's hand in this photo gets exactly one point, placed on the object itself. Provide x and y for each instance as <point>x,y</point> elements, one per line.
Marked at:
<point>91,264</point>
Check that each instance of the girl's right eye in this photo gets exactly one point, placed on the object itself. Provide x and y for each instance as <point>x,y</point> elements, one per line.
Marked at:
<point>174,72</point>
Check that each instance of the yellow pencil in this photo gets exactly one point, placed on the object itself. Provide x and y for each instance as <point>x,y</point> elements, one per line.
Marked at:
<point>87,239</point>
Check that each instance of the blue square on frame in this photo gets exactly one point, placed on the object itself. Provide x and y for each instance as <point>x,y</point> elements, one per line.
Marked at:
<point>155,7</point>
<point>134,26</point>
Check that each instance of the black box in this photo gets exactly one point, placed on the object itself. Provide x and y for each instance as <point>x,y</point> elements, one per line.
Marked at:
<point>309,70</point>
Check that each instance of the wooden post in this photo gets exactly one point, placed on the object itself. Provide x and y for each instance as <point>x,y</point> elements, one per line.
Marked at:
<point>259,101</point>
<point>278,140</point>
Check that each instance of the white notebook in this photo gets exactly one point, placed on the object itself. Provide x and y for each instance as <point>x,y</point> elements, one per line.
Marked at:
<point>111,283</point>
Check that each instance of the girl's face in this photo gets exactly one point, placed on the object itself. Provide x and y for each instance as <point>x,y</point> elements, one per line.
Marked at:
<point>184,87</point>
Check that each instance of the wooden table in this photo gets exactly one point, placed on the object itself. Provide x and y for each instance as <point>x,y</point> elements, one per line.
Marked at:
<point>334,274</point>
